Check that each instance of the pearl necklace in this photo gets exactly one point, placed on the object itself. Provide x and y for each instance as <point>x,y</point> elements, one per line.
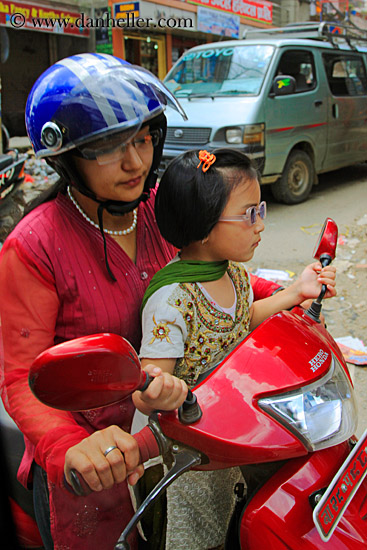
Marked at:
<point>108,231</point>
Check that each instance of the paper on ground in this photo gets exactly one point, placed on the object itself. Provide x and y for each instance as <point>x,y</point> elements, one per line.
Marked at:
<point>274,274</point>
<point>353,350</point>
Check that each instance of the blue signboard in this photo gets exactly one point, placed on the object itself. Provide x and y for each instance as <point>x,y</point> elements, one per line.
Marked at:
<point>120,10</point>
<point>217,22</point>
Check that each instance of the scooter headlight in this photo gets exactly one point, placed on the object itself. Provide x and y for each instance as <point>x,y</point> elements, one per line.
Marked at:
<point>321,414</point>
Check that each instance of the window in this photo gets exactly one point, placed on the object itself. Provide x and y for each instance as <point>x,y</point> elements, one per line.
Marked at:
<point>220,71</point>
<point>346,74</point>
<point>300,65</point>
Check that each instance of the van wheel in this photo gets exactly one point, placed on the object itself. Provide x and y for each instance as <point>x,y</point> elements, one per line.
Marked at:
<point>297,179</point>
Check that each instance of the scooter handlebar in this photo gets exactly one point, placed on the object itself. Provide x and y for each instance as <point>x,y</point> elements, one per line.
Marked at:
<point>325,259</point>
<point>315,308</point>
<point>148,448</point>
<point>188,413</point>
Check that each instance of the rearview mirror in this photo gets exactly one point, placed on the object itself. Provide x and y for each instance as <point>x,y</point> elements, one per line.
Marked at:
<point>324,252</point>
<point>284,85</point>
<point>87,373</point>
<point>327,241</point>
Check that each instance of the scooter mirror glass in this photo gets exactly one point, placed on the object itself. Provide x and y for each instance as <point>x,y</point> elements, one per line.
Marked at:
<point>327,241</point>
<point>86,373</point>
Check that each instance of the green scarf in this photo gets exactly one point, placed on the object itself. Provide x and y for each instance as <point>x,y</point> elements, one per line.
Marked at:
<point>185,271</point>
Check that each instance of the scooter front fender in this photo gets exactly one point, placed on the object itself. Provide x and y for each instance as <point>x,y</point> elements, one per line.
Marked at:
<point>279,515</point>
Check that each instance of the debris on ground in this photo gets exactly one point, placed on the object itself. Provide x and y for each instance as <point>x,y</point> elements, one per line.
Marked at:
<point>275,275</point>
<point>353,350</point>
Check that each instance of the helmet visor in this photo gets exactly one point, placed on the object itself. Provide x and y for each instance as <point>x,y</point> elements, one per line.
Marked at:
<point>111,101</point>
<point>109,149</point>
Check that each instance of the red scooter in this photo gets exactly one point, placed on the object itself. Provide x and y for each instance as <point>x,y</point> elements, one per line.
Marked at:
<point>281,406</point>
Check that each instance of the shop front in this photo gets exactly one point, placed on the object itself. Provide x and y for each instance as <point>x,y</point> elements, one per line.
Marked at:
<point>33,37</point>
<point>149,34</point>
<point>154,34</point>
<point>147,51</point>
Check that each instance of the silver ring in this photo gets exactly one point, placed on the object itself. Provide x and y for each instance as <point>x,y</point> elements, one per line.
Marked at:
<point>112,448</point>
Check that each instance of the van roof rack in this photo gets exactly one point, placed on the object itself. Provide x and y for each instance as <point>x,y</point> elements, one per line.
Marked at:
<point>333,32</point>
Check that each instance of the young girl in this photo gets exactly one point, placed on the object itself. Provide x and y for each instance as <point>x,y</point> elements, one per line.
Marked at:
<point>200,306</point>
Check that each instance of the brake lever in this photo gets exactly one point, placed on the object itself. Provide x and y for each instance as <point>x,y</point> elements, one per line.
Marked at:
<point>184,460</point>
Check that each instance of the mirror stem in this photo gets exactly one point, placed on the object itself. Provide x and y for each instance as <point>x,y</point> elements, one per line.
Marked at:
<point>190,410</point>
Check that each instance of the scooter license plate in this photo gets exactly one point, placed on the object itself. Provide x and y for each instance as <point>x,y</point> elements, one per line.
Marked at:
<point>331,507</point>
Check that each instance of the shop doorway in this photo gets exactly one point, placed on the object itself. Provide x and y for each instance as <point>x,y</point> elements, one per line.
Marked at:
<point>148,52</point>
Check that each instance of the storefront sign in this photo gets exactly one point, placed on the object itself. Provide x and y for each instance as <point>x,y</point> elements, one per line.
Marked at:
<point>34,17</point>
<point>216,22</point>
<point>162,17</point>
<point>261,11</point>
<point>120,11</point>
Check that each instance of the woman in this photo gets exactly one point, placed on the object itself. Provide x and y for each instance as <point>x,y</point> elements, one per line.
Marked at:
<point>79,264</point>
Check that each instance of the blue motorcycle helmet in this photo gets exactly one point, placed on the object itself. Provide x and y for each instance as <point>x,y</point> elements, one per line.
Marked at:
<point>85,102</point>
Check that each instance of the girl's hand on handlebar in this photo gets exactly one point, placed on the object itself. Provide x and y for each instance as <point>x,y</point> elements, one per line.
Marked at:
<point>312,279</point>
<point>102,471</point>
<point>165,393</point>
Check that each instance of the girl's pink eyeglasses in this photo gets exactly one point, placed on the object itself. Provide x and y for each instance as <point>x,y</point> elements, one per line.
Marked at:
<point>251,215</point>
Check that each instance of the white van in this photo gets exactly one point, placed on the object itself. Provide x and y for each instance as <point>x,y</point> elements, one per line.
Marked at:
<point>294,99</point>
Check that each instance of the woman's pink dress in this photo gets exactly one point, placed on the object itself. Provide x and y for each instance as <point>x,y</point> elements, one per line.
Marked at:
<point>54,286</point>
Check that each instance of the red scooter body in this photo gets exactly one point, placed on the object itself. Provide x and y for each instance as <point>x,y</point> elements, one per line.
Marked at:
<point>279,516</point>
<point>274,358</point>
<point>234,431</point>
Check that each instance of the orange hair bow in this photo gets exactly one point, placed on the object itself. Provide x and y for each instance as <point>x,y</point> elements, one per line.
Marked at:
<point>207,159</point>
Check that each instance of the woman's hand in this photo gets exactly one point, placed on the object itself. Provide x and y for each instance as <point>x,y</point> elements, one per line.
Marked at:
<point>102,471</point>
<point>165,393</point>
<point>313,277</point>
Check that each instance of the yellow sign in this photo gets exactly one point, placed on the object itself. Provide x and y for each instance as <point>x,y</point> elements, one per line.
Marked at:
<point>120,11</point>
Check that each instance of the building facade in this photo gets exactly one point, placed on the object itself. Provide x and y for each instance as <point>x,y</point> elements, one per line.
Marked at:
<point>150,33</point>
<point>33,37</point>
<point>155,33</point>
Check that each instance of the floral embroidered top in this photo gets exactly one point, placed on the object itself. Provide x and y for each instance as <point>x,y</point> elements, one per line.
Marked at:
<point>181,320</point>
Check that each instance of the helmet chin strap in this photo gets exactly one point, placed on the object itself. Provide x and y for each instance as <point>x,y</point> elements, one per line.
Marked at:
<point>100,223</point>
<point>115,208</point>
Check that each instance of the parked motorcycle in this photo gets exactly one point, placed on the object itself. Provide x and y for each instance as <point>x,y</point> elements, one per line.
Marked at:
<point>11,172</point>
<point>281,406</point>
<point>18,527</point>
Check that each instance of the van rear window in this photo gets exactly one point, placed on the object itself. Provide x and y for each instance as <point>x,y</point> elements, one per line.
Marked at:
<point>220,71</point>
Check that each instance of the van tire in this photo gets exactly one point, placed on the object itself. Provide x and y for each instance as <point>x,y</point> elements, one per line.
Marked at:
<point>297,179</point>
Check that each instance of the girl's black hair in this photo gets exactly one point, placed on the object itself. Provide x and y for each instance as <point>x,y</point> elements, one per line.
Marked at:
<point>189,202</point>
